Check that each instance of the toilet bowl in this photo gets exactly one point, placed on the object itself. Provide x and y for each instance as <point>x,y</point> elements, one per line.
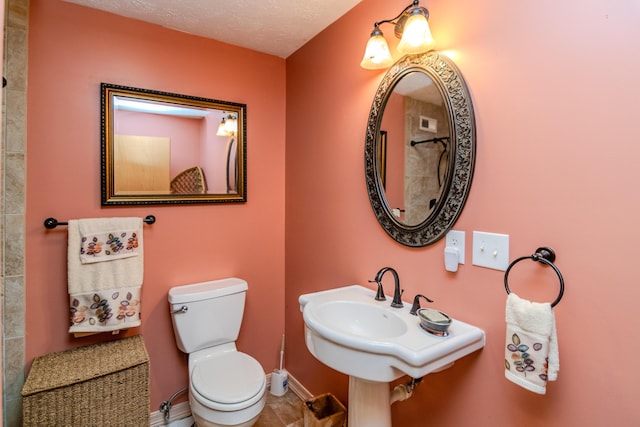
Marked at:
<point>226,387</point>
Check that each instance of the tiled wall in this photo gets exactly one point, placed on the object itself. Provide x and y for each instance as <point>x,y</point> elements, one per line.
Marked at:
<point>12,200</point>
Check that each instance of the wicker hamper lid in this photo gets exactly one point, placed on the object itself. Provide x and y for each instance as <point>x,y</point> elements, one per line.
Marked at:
<point>80,364</point>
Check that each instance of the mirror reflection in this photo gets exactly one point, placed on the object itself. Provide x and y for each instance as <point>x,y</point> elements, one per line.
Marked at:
<point>417,159</point>
<point>166,148</point>
<point>420,148</point>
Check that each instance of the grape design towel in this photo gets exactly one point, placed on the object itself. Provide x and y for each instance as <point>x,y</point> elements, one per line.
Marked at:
<point>105,268</point>
<point>531,352</point>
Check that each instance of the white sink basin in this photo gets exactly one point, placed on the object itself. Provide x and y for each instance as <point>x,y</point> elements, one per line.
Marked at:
<point>351,332</point>
<point>359,318</point>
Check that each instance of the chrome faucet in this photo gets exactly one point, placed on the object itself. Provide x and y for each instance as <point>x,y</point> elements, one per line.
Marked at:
<point>397,292</point>
<point>416,304</point>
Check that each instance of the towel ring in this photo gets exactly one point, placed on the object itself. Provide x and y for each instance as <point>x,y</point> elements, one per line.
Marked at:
<point>546,256</point>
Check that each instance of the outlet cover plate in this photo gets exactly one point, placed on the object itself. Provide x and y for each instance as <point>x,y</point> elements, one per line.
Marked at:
<point>491,250</point>
<point>455,239</point>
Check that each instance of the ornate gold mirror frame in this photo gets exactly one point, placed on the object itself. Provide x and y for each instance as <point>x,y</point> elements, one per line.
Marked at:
<point>165,148</point>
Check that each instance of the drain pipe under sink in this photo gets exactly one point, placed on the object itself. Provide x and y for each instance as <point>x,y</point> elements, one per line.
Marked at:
<point>403,391</point>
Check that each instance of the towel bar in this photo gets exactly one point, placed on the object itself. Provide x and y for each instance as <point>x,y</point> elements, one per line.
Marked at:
<point>51,223</point>
<point>546,256</point>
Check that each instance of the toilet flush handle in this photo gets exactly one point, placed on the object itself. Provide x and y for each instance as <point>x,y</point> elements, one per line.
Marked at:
<point>182,309</point>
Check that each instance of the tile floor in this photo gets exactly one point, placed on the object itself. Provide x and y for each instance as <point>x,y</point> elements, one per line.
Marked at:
<point>284,411</point>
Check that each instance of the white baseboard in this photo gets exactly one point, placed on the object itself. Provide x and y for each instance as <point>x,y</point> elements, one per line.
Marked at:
<point>181,412</point>
<point>178,412</point>
<point>298,389</point>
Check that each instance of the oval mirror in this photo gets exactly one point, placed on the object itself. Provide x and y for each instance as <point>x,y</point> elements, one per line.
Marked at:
<point>160,147</point>
<point>420,149</point>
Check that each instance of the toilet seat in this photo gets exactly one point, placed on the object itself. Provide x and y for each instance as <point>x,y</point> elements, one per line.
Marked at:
<point>228,381</point>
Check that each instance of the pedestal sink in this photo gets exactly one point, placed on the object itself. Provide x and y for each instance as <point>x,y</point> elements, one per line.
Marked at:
<point>373,343</point>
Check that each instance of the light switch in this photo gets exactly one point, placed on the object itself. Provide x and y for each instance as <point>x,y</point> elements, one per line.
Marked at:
<point>491,250</point>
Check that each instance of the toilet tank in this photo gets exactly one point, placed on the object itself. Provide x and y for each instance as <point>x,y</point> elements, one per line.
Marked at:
<point>207,314</point>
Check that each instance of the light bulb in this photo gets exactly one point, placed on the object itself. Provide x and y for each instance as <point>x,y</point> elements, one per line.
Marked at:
<point>416,36</point>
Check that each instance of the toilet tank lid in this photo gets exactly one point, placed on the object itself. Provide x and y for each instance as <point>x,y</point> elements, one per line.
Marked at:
<point>206,290</point>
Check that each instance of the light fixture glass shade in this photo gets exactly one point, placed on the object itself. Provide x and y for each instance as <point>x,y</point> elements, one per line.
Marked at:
<point>376,54</point>
<point>416,36</point>
<point>231,126</point>
<point>228,126</point>
<point>222,131</point>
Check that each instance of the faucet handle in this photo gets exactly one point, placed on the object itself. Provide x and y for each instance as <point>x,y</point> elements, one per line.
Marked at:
<point>397,299</point>
<point>416,304</point>
<point>380,294</point>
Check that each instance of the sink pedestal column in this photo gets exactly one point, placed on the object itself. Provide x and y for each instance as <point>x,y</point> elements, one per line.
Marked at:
<point>369,403</point>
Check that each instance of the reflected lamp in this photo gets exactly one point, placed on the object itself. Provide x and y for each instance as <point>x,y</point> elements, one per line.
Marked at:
<point>228,126</point>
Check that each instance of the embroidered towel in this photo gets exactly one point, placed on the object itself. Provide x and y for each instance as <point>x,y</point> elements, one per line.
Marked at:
<point>531,353</point>
<point>108,239</point>
<point>104,289</point>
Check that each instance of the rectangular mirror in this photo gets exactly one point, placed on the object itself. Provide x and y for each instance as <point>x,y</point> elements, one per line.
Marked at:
<point>164,148</point>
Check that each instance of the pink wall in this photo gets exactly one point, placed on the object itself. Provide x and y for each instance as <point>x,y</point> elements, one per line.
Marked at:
<point>185,135</point>
<point>215,150</point>
<point>553,86</point>
<point>71,50</point>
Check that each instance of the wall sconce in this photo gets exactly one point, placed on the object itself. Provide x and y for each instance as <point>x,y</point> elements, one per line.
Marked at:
<point>411,27</point>
<point>228,126</point>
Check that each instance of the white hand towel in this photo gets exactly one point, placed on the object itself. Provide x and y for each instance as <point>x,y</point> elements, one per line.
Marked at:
<point>531,352</point>
<point>104,296</point>
<point>102,275</point>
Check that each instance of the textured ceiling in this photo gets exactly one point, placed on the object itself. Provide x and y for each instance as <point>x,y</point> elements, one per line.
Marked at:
<point>277,27</point>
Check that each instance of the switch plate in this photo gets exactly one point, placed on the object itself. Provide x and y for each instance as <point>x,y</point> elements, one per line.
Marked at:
<point>455,239</point>
<point>491,250</point>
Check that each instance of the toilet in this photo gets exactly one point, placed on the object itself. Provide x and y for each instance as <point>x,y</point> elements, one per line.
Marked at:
<point>226,387</point>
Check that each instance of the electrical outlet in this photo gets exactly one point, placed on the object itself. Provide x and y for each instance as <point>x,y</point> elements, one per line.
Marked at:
<point>455,239</point>
<point>491,250</point>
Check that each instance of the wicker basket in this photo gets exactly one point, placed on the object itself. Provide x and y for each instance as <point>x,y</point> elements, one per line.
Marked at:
<point>97,385</point>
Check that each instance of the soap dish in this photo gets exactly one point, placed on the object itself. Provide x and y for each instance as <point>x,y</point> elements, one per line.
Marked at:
<point>434,321</point>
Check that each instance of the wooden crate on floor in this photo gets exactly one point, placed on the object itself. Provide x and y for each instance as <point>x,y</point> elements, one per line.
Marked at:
<point>324,410</point>
<point>97,385</point>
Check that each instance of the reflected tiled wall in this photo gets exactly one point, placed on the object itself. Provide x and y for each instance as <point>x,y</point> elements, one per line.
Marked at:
<point>423,162</point>
<point>12,200</point>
